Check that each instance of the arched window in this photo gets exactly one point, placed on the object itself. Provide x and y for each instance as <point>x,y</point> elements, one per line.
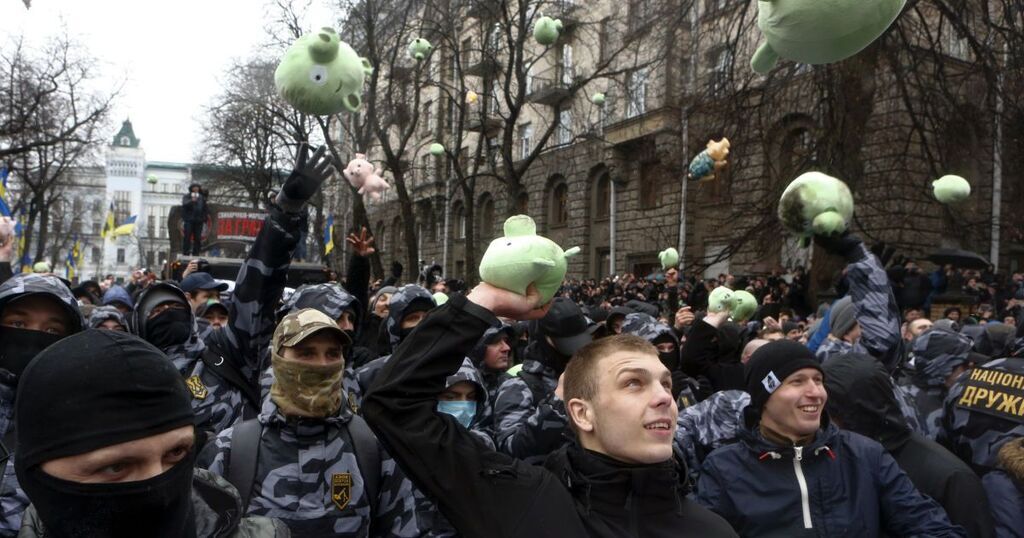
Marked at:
<point>602,195</point>
<point>523,204</point>
<point>459,219</point>
<point>559,208</point>
<point>397,237</point>
<point>379,239</point>
<point>487,224</point>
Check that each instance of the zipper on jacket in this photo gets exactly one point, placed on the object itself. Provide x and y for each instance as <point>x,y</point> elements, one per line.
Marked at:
<point>798,456</point>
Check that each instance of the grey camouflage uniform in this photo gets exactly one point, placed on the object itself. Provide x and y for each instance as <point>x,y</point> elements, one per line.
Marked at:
<point>935,354</point>
<point>714,422</point>
<point>299,459</point>
<point>976,436</point>
<point>397,307</point>
<point>525,427</point>
<point>100,314</point>
<point>13,500</point>
<point>647,327</point>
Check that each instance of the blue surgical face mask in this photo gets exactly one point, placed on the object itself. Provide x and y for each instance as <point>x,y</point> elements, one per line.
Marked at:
<point>462,411</point>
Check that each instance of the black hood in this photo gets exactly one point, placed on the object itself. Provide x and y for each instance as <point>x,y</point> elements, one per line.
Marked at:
<point>861,399</point>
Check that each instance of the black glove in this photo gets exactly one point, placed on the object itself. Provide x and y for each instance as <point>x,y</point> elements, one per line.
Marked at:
<point>845,244</point>
<point>305,179</point>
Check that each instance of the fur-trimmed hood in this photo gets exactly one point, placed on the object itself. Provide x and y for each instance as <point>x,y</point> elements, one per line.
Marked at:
<point>1011,458</point>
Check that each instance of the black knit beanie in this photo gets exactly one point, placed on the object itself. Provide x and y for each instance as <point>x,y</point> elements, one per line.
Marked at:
<point>770,365</point>
<point>95,389</point>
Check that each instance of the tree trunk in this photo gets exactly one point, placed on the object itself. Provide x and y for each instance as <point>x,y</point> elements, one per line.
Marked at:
<point>468,197</point>
<point>44,223</point>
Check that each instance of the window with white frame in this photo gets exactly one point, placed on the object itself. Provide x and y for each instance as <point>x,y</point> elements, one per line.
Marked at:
<point>566,65</point>
<point>525,140</point>
<point>637,93</point>
<point>565,126</point>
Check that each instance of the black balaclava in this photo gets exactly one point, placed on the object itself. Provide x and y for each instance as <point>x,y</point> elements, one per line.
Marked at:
<point>93,390</point>
<point>19,346</point>
<point>170,327</point>
<point>671,358</point>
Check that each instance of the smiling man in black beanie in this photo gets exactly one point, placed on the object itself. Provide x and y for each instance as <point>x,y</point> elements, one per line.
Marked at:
<point>107,444</point>
<point>793,473</point>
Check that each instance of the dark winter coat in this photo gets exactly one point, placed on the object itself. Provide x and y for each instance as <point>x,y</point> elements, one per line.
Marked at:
<point>1005,487</point>
<point>193,210</point>
<point>840,484</point>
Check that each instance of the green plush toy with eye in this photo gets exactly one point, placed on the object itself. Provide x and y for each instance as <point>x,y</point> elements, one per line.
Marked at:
<point>669,258</point>
<point>522,257</point>
<point>721,299</point>
<point>419,48</point>
<point>744,304</point>
<point>819,31</point>
<point>951,189</point>
<point>320,74</point>
<point>816,204</point>
<point>546,30</point>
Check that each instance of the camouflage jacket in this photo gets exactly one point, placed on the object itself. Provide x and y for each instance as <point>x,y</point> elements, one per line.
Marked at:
<point>525,427</point>
<point>216,507</point>
<point>307,476</point>
<point>13,501</point>
<point>983,409</point>
<point>877,314</point>
<point>714,422</point>
<point>928,402</point>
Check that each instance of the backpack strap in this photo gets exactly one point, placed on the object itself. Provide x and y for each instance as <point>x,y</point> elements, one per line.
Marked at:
<point>245,448</point>
<point>226,371</point>
<point>368,457</point>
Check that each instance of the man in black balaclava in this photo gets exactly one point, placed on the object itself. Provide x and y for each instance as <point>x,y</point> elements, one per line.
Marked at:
<point>407,307</point>
<point>530,419</point>
<point>114,456</point>
<point>35,312</point>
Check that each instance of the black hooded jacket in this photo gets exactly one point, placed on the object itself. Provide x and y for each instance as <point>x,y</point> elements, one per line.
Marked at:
<point>861,399</point>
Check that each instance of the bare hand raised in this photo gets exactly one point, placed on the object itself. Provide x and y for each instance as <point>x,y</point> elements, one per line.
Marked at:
<point>506,304</point>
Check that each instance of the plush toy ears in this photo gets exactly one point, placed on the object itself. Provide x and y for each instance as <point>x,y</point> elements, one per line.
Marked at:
<point>764,59</point>
<point>367,66</point>
<point>352,102</point>
<point>519,225</point>
<point>361,156</point>
<point>325,49</point>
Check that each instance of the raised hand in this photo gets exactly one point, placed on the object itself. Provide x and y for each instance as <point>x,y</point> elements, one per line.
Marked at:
<point>362,244</point>
<point>507,304</point>
<point>306,178</point>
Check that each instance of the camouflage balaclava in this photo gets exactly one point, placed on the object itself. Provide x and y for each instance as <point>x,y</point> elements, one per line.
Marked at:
<point>300,388</point>
<point>409,298</point>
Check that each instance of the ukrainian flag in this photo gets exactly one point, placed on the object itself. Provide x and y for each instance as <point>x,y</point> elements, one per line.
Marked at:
<point>329,235</point>
<point>5,209</point>
<point>127,227</point>
<point>108,226</point>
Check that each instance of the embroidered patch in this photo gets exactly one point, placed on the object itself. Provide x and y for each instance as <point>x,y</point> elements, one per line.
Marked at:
<point>196,386</point>
<point>770,382</point>
<point>353,403</point>
<point>341,489</point>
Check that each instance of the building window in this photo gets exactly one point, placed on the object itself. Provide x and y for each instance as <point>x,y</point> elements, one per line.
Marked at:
<point>467,52</point>
<point>721,61</point>
<point>492,151</point>
<point>162,258</point>
<point>96,254</point>
<point>95,228</point>
<point>525,140</point>
<point>150,258</point>
<point>565,65</point>
<point>487,219</point>
<point>122,206</point>
<point>560,205</point>
<point>428,117</point>
<point>460,221</point>
<point>648,185</point>
<point>523,204</point>
<point>637,93</point>
<point>396,234</point>
<point>602,40</point>
<point>565,126</point>
<point>602,196</point>
<point>151,225</point>
<point>120,255</point>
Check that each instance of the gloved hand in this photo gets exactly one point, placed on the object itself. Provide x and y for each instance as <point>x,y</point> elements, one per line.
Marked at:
<point>305,179</point>
<point>845,244</point>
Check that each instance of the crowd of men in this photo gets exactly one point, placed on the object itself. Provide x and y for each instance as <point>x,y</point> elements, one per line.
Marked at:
<point>621,408</point>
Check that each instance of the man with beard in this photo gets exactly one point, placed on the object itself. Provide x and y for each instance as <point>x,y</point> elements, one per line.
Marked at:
<point>116,460</point>
<point>35,312</point>
<point>529,416</point>
<point>306,458</point>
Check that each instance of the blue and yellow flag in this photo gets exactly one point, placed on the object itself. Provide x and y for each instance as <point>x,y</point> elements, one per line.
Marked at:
<point>108,226</point>
<point>5,208</point>
<point>329,235</point>
<point>74,257</point>
<point>127,227</point>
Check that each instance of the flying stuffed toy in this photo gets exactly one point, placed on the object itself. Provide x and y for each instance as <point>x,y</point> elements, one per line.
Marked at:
<point>471,97</point>
<point>712,159</point>
<point>721,299</point>
<point>546,30</point>
<point>320,74</point>
<point>436,149</point>
<point>363,176</point>
<point>669,258</point>
<point>522,257</point>
<point>743,306</point>
<point>951,189</point>
<point>598,99</point>
<point>419,48</point>
<point>819,31</point>
<point>815,204</point>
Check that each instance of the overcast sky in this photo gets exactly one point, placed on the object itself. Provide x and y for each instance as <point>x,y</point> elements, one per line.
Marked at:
<point>170,54</point>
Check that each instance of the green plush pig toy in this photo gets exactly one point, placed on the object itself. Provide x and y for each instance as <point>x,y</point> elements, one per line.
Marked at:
<point>320,74</point>
<point>522,257</point>
<point>721,299</point>
<point>743,306</point>
<point>951,189</point>
<point>598,99</point>
<point>546,30</point>
<point>819,31</point>
<point>419,48</point>
<point>816,204</point>
<point>669,258</point>
<point>436,149</point>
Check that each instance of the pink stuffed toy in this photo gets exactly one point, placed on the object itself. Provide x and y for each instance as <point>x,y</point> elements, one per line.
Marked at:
<point>361,174</point>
